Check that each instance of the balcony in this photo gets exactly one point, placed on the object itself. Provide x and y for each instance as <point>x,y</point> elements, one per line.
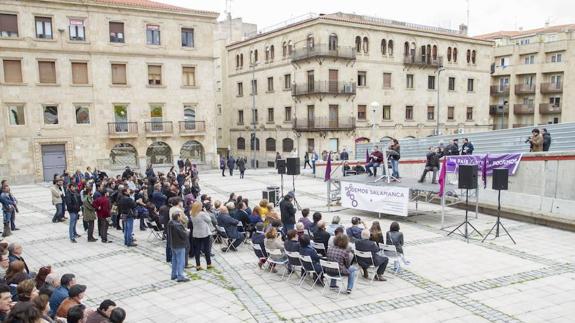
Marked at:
<point>548,108</point>
<point>524,88</point>
<point>423,61</point>
<point>499,90</point>
<point>122,129</point>
<point>324,124</point>
<point>323,51</point>
<point>523,109</point>
<point>324,88</point>
<point>192,128</point>
<point>158,128</point>
<point>497,110</point>
<point>551,88</point>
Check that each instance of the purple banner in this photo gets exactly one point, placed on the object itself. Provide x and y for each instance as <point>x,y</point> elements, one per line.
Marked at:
<point>508,161</point>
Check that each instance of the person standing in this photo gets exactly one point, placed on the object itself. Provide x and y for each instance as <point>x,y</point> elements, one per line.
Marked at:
<point>223,166</point>
<point>546,140</point>
<point>57,195</point>
<point>467,148</point>
<point>126,206</point>
<point>344,155</point>
<point>241,162</point>
<point>278,157</point>
<point>9,208</point>
<point>89,213</point>
<point>536,140</point>
<point>73,204</point>
<point>306,160</point>
<point>178,237</point>
<point>287,211</point>
<point>394,157</point>
<point>102,206</point>
<point>231,165</point>
<point>201,232</point>
<point>453,148</point>
<point>314,158</point>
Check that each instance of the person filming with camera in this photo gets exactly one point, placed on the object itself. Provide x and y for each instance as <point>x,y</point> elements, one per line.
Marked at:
<point>535,141</point>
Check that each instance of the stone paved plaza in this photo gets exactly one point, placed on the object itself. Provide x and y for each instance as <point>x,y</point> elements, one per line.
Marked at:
<point>448,279</point>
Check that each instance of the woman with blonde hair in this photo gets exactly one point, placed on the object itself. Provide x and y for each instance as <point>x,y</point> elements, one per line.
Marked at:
<point>263,208</point>
<point>201,234</point>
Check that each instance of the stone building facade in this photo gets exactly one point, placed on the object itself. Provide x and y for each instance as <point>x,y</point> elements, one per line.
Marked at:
<point>531,75</point>
<point>104,83</point>
<point>315,80</point>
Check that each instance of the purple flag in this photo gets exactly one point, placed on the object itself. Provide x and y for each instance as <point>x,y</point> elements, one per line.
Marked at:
<point>327,175</point>
<point>484,172</point>
<point>442,177</point>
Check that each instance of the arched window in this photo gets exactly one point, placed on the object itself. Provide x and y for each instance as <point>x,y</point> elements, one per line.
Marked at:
<point>332,42</point>
<point>290,48</point>
<point>192,150</point>
<point>412,49</point>
<point>473,56</point>
<point>455,54</point>
<point>428,54</point>
<point>257,142</point>
<point>159,153</point>
<point>124,155</point>
<point>365,45</point>
<point>284,49</point>
<point>255,56</point>
<point>270,144</point>
<point>468,56</point>
<point>383,47</point>
<point>251,56</point>
<point>449,54</point>
<point>423,53</point>
<point>287,145</point>
<point>237,61</point>
<point>267,54</point>
<point>358,44</point>
<point>241,143</point>
<point>310,41</point>
<point>406,49</point>
<point>390,47</point>
<point>241,60</point>
<point>272,54</point>
<point>434,52</point>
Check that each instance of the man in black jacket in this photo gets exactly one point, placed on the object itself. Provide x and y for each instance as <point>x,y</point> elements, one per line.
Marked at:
<point>73,203</point>
<point>321,236</point>
<point>546,140</point>
<point>178,237</point>
<point>432,164</point>
<point>287,211</point>
<point>452,148</point>
<point>467,148</point>
<point>379,261</point>
<point>126,206</point>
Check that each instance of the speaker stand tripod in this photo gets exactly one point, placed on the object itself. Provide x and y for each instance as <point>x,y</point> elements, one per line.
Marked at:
<point>498,223</point>
<point>466,232</point>
<point>386,176</point>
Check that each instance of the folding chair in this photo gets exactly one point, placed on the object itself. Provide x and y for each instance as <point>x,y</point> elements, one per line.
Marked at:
<point>154,231</point>
<point>224,238</point>
<point>331,271</point>
<point>320,248</point>
<point>368,257</point>
<point>260,253</point>
<point>244,232</point>
<point>294,259</point>
<point>391,253</point>
<point>308,271</point>
<point>274,263</point>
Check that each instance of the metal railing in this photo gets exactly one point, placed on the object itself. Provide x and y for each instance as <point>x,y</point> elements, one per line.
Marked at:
<point>158,127</point>
<point>122,128</point>
<point>192,126</point>
<point>324,124</point>
<point>497,90</point>
<point>323,50</point>
<point>423,61</point>
<point>548,108</point>
<point>524,88</point>
<point>498,109</point>
<point>521,109</point>
<point>324,87</point>
<point>550,88</point>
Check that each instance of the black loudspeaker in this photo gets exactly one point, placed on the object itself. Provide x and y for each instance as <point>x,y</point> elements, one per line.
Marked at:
<point>271,194</point>
<point>467,176</point>
<point>500,179</point>
<point>281,166</point>
<point>293,166</point>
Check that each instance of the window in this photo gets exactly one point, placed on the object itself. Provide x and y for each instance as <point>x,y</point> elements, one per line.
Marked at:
<point>524,41</point>
<point>267,52</point>
<point>240,117</point>
<point>473,56</point>
<point>387,80</point>
<point>431,82</point>
<point>82,114</point>
<point>287,114</point>
<point>16,115</point>
<point>310,145</point>
<point>365,45</point>
<point>272,53</point>
<point>50,114</point>
<point>77,30</point>
<point>469,114</point>
<point>390,47</point>
<point>386,112</point>
<point>361,112</point>
<point>119,74</point>
<point>255,56</point>
<point>529,59</point>
<point>452,84</point>
<point>270,144</point>
<point>449,54</point>
<point>43,27</point>
<point>450,113</point>
<point>361,78</point>
<point>254,87</point>
<point>240,89</point>
<point>287,145</point>
<point>383,47</point>
<point>409,81</point>
<point>189,75</point>
<point>47,72</point>
<point>12,71</point>
<point>332,44</point>
<point>455,54</point>
<point>270,84</point>
<point>219,106</point>
<point>153,34</point>
<point>290,48</point>
<point>271,115</point>
<point>470,85</point>
<point>287,81</point>
<point>254,116</point>
<point>430,112</point>
<point>254,141</point>
<point>358,44</point>
<point>556,80</point>
<point>409,112</point>
<point>154,74</point>
<point>187,37</point>
<point>310,41</point>
<point>468,56</point>
<point>504,61</point>
<point>79,73</point>
<point>8,25</point>
<point>190,117</point>
<point>241,143</point>
<point>556,58</point>
<point>555,101</point>
<point>116,32</point>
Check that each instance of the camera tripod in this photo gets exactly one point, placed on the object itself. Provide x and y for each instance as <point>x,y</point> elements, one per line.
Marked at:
<point>498,223</point>
<point>466,233</point>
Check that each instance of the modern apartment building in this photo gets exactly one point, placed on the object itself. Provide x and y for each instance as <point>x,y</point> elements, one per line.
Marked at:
<point>312,83</point>
<point>104,83</point>
<point>531,73</point>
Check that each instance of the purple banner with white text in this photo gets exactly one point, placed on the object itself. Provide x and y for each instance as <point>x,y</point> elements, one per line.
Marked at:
<point>508,161</point>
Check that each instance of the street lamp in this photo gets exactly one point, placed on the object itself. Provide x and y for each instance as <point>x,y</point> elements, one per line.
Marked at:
<point>374,105</point>
<point>439,70</point>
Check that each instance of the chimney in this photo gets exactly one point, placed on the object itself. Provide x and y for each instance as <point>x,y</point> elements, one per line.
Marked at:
<point>463,29</point>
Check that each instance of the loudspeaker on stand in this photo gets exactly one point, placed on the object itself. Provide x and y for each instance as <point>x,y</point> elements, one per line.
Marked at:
<point>467,177</point>
<point>500,179</point>
<point>293,166</point>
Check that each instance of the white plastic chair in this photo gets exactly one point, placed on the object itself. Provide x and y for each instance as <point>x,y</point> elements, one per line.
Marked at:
<point>369,259</point>
<point>391,252</point>
<point>272,262</point>
<point>308,272</point>
<point>330,268</point>
<point>294,259</point>
<point>320,248</point>
<point>224,236</point>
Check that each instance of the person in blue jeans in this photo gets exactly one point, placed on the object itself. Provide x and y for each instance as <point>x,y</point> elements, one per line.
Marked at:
<point>9,209</point>
<point>126,209</point>
<point>73,203</point>
<point>57,192</point>
<point>340,254</point>
<point>394,156</point>
<point>178,238</point>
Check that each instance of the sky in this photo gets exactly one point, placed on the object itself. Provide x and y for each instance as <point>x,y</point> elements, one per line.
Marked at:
<point>485,16</point>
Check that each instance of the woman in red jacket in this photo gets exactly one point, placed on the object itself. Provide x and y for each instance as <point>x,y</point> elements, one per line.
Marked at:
<point>103,207</point>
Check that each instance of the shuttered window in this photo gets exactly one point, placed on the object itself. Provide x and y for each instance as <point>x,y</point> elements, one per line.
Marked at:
<point>8,25</point>
<point>154,74</point>
<point>116,32</point>
<point>119,74</point>
<point>387,80</point>
<point>12,71</point>
<point>47,72</point>
<point>189,75</point>
<point>79,73</point>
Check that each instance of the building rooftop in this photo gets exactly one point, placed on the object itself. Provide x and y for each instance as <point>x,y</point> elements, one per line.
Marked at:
<point>147,4</point>
<point>523,33</point>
